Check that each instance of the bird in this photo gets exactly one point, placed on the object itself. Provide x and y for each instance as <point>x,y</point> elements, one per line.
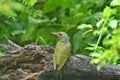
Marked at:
<point>62,50</point>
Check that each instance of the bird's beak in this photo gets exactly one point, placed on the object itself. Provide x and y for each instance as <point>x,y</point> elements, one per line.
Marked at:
<point>54,33</point>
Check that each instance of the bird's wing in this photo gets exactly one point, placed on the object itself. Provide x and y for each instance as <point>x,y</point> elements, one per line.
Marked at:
<point>61,54</point>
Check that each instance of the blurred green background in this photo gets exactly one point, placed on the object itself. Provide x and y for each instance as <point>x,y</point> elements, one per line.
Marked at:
<point>93,25</point>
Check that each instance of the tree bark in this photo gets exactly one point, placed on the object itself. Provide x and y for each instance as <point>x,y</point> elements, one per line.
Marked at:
<point>78,67</point>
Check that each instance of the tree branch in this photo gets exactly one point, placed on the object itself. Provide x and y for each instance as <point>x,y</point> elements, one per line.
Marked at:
<point>35,58</point>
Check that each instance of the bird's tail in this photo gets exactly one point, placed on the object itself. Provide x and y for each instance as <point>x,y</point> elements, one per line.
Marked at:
<point>58,74</point>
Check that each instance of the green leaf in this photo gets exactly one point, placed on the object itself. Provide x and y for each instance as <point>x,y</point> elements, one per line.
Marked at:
<point>10,13</point>
<point>107,12</point>
<point>77,41</point>
<point>100,65</point>
<point>50,5</point>
<point>32,2</point>
<point>8,8</point>
<point>29,3</point>
<point>113,23</point>
<point>81,39</point>
<point>115,3</point>
<point>99,3</point>
<point>2,53</point>
<point>82,26</point>
<point>100,22</point>
<point>16,6</point>
<point>95,55</point>
<point>41,38</point>
<point>95,60</point>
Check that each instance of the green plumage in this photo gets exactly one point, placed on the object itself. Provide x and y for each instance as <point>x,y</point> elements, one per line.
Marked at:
<point>62,52</point>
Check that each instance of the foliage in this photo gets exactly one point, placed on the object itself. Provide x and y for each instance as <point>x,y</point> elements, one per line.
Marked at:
<point>109,30</point>
<point>8,8</point>
<point>93,25</point>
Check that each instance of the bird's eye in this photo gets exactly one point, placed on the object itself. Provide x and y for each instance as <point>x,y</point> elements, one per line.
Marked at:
<point>60,33</point>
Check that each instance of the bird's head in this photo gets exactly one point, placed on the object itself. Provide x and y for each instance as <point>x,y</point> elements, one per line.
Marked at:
<point>62,35</point>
